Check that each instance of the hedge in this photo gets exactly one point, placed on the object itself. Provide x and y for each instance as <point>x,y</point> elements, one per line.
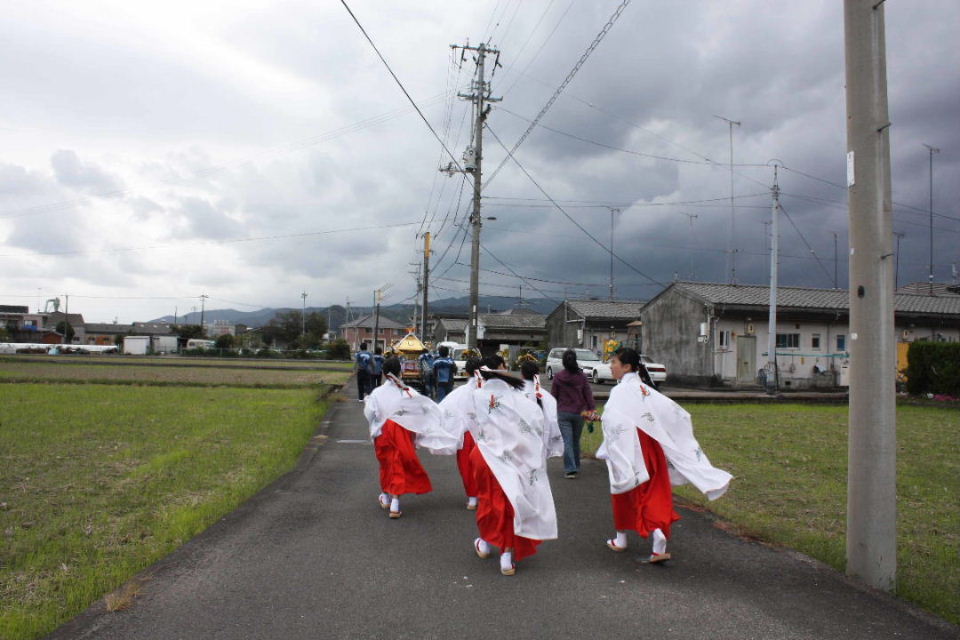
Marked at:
<point>934,367</point>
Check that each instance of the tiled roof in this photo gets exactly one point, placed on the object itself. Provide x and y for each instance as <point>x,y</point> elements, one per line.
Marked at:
<point>926,288</point>
<point>612,309</point>
<point>453,324</point>
<point>521,321</point>
<point>751,295</point>
<point>367,322</point>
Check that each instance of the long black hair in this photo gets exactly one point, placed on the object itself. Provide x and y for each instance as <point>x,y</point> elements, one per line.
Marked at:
<point>488,371</point>
<point>570,361</point>
<point>391,365</point>
<point>471,365</point>
<point>630,357</point>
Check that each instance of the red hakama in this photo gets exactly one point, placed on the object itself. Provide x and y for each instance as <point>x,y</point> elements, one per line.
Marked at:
<point>648,506</point>
<point>400,468</point>
<point>466,467</point>
<point>495,513</point>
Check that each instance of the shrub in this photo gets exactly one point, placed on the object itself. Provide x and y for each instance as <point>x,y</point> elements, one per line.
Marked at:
<point>339,350</point>
<point>933,367</point>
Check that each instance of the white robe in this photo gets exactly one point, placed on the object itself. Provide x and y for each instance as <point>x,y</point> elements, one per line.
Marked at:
<point>510,438</point>
<point>552,438</point>
<point>633,405</point>
<point>413,412</point>
<point>457,408</point>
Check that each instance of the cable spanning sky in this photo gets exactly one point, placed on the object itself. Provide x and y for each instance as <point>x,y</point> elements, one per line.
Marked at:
<point>251,152</point>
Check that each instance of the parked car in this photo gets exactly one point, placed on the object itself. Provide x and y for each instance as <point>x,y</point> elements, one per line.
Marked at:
<point>658,372</point>
<point>587,360</point>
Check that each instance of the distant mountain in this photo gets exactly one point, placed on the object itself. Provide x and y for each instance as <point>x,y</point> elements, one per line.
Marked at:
<point>401,313</point>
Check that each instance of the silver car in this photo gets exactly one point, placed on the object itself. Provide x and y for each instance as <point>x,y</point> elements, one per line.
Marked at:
<point>587,360</point>
<point>658,372</point>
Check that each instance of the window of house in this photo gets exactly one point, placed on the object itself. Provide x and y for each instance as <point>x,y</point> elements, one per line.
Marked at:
<point>815,341</point>
<point>788,341</point>
<point>841,342</point>
<point>724,339</point>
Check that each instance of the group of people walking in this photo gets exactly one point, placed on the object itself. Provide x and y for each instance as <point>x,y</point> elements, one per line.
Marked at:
<point>503,428</point>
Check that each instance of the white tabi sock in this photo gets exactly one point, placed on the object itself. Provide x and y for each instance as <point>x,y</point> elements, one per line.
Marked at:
<point>621,540</point>
<point>384,500</point>
<point>395,504</point>
<point>483,546</point>
<point>659,542</point>
<point>471,501</point>
<point>506,560</point>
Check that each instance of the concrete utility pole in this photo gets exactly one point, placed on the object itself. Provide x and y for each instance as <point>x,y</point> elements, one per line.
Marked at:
<point>473,157</point>
<point>426,285</point>
<point>613,212</point>
<point>732,234</point>
<point>376,317</point>
<point>773,373</point>
<point>203,300</point>
<point>932,151</point>
<point>872,436</point>
<point>303,318</point>
<point>896,265</point>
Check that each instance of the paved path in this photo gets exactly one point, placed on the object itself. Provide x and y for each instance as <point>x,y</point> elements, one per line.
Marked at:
<point>313,556</point>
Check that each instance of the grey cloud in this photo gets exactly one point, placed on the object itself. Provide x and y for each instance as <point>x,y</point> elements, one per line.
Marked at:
<point>71,172</point>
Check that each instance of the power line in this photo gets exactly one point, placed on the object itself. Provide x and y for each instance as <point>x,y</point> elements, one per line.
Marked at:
<point>510,269</point>
<point>799,233</point>
<point>556,94</point>
<point>568,216</point>
<point>453,158</point>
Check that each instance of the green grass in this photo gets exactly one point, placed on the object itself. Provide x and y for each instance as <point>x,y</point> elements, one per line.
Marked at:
<point>790,463</point>
<point>168,373</point>
<point>97,482</point>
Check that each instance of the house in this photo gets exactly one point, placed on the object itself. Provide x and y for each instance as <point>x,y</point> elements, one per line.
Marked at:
<point>451,330</point>
<point>112,333</point>
<point>361,330</point>
<point>590,323</point>
<point>518,327</point>
<point>703,331</point>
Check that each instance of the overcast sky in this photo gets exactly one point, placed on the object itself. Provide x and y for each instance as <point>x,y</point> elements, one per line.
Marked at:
<point>251,151</point>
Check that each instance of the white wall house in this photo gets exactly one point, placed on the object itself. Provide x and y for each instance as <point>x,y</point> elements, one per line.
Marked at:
<point>702,331</point>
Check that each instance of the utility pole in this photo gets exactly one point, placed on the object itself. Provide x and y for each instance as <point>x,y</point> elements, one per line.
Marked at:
<point>932,151</point>
<point>303,319</point>
<point>472,158</point>
<point>426,284</point>
<point>691,217</point>
<point>376,317</point>
<point>773,372</point>
<point>613,212</point>
<point>872,436</point>
<point>203,300</point>
<point>732,234</point>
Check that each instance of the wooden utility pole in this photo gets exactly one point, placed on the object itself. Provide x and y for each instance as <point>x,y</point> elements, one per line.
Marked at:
<point>872,435</point>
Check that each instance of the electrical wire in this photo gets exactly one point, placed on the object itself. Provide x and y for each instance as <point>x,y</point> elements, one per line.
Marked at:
<point>453,158</point>
<point>563,85</point>
<point>510,269</point>
<point>812,251</point>
<point>568,216</point>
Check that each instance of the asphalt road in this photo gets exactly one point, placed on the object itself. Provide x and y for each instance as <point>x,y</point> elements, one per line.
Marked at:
<point>313,556</point>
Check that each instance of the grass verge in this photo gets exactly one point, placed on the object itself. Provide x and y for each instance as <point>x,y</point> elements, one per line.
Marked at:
<point>790,463</point>
<point>34,371</point>
<point>98,482</point>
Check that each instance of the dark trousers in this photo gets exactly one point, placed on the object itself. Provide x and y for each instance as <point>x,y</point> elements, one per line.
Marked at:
<point>443,388</point>
<point>363,384</point>
<point>571,427</point>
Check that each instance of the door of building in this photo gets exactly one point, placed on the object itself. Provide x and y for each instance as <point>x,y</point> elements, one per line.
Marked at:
<point>746,359</point>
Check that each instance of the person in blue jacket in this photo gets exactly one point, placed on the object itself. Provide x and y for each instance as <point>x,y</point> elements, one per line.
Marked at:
<point>376,377</point>
<point>444,369</point>
<point>426,370</point>
<point>364,368</point>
